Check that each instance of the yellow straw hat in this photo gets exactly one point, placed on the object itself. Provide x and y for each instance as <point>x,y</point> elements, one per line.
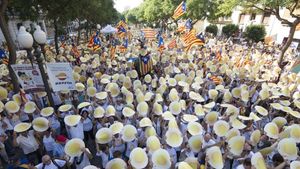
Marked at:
<point>172,82</point>
<point>168,116</point>
<point>236,92</point>
<point>254,117</point>
<point>1,106</point>
<point>212,94</point>
<point>214,156</point>
<point>21,127</point>
<point>90,82</point>
<point>128,112</point>
<point>148,78</point>
<point>150,131</point>
<point>17,98</point>
<point>262,111</point>
<point>47,111</point>
<point>157,109</point>
<point>116,128</point>
<point>110,111</point>
<point>276,106</point>
<point>101,95</point>
<point>65,108</point>
<point>30,107</point>
<point>161,159</point>
<point>138,158</point>
<point>235,123</point>
<point>91,91</point>
<point>196,97</point>
<point>255,137</point>
<point>83,104</point>
<point>288,149</point>
<point>73,147</point>
<point>114,89</point>
<point>90,167</point>
<point>227,97</point>
<point>40,124</point>
<point>142,109</point>
<point>236,145</point>
<point>257,160</point>
<point>172,124</point>
<point>295,132</point>
<point>199,111</point>
<point>264,94</point>
<point>195,143</point>
<point>221,127</point>
<point>211,117</point>
<point>189,118</point>
<point>79,87</point>
<point>12,107</point>
<point>184,165</point>
<point>128,133</point>
<point>279,121</point>
<point>209,105</point>
<point>232,133</point>
<point>3,93</point>
<point>104,135</point>
<point>271,130</point>
<point>116,163</point>
<point>72,120</point>
<point>145,122</point>
<point>175,108</point>
<point>193,162</point>
<point>173,95</point>
<point>295,165</point>
<point>99,112</point>
<point>194,128</point>
<point>174,137</point>
<point>153,143</point>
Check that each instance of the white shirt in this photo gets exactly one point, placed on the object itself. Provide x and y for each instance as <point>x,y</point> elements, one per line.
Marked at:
<point>209,143</point>
<point>240,167</point>
<point>85,161</point>
<point>48,142</point>
<point>28,144</point>
<point>60,163</point>
<point>77,132</point>
<point>87,124</point>
<point>104,158</point>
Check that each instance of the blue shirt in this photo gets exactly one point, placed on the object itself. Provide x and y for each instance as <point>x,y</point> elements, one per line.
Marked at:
<point>58,150</point>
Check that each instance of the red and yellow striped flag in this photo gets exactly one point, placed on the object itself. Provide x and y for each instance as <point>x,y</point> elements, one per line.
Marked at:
<point>112,52</point>
<point>193,43</point>
<point>180,10</point>
<point>149,33</point>
<point>172,44</point>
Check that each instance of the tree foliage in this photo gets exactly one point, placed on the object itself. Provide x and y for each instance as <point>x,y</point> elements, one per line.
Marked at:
<point>212,29</point>
<point>255,33</point>
<point>230,30</point>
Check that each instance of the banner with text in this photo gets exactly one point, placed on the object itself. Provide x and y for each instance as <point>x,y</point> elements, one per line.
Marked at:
<point>60,76</point>
<point>29,77</point>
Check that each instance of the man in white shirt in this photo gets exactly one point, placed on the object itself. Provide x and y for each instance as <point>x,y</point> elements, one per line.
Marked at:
<point>47,163</point>
<point>208,141</point>
<point>76,131</point>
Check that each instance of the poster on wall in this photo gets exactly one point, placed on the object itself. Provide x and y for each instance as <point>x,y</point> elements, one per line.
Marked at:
<point>29,76</point>
<point>60,76</point>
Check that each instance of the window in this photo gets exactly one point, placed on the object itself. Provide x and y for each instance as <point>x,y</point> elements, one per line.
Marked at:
<point>253,16</point>
<point>266,18</point>
<point>242,19</point>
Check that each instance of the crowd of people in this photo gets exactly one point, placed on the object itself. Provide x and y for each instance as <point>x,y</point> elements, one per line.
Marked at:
<point>214,107</point>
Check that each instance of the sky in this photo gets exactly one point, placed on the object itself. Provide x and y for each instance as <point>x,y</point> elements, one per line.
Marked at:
<point>122,5</point>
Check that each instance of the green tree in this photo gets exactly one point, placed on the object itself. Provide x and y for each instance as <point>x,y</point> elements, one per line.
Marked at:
<point>212,29</point>
<point>255,33</point>
<point>230,30</point>
<point>273,7</point>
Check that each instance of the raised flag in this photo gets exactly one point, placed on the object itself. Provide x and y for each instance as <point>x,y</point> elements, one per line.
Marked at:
<point>149,33</point>
<point>189,37</point>
<point>195,42</point>
<point>112,52</point>
<point>95,43</point>
<point>172,44</point>
<point>75,51</point>
<point>180,10</point>
<point>161,44</point>
<point>145,65</point>
<point>219,54</point>
<point>188,24</point>
<point>123,47</point>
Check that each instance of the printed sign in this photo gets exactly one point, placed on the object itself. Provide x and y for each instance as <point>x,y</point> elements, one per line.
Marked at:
<point>60,76</point>
<point>29,77</point>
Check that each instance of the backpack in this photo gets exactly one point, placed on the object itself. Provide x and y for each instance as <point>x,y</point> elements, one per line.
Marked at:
<point>54,162</point>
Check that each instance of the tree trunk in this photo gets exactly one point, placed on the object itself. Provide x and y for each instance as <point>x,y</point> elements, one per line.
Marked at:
<point>79,33</point>
<point>56,36</point>
<point>11,46</point>
<point>285,47</point>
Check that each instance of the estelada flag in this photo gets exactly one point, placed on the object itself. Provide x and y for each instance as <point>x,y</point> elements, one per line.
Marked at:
<point>180,10</point>
<point>144,65</point>
<point>172,44</point>
<point>149,33</point>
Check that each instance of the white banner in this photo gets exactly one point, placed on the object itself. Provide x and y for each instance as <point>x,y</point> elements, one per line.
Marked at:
<point>60,76</point>
<point>29,76</point>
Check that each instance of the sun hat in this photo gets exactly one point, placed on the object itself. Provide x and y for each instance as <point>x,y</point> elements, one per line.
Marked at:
<point>17,98</point>
<point>114,89</point>
<point>142,109</point>
<point>294,132</point>
<point>184,165</point>
<point>29,107</point>
<point>79,87</point>
<point>199,111</point>
<point>90,167</point>
<point>101,95</point>
<point>99,112</point>
<point>91,91</point>
<point>73,147</point>
<point>232,133</point>
<point>235,123</point>
<point>189,118</point>
<point>1,106</point>
<point>288,149</point>
<point>65,107</point>
<point>174,137</point>
<point>148,78</point>
<point>104,135</point>
<point>255,137</point>
<point>161,159</point>
<point>128,133</point>
<point>72,120</point>
<point>221,127</point>
<point>175,108</point>
<point>116,163</point>
<point>40,124</point>
<point>214,156</point>
<point>196,97</point>
<point>173,95</point>
<point>128,112</point>
<point>83,104</point>
<point>257,160</point>
<point>193,162</point>
<point>138,158</point>
<point>295,164</point>
<point>12,107</point>
<point>254,117</point>
<point>262,111</point>
<point>47,111</point>
<point>157,109</point>
<point>195,143</point>
<point>110,111</point>
<point>116,128</point>
<point>211,117</point>
<point>21,127</point>
<point>271,130</point>
<point>279,121</point>
<point>236,145</point>
<point>194,128</point>
<point>145,122</point>
<point>153,143</point>
<point>3,93</point>
<point>212,94</point>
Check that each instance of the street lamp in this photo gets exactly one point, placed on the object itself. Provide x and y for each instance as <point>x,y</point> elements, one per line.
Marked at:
<point>26,42</point>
